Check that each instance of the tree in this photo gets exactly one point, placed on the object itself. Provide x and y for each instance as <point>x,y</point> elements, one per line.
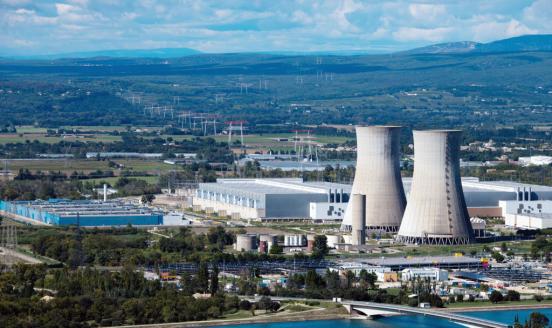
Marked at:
<point>245,305</point>
<point>512,295</point>
<point>264,303</point>
<point>313,280</point>
<point>202,278</point>
<point>320,247</point>
<point>538,298</point>
<point>537,320</point>
<point>214,280</point>
<point>496,297</point>
<point>498,257</point>
<point>367,280</point>
<point>332,279</point>
<point>276,249</point>
<point>350,278</point>
<point>187,284</point>
<point>147,198</point>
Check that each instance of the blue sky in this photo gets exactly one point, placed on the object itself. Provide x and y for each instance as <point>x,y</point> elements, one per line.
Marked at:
<point>44,27</point>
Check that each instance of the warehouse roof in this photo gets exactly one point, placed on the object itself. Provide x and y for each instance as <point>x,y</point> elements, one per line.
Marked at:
<point>272,186</point>
<point>403,262</point>
<point>63,207</point>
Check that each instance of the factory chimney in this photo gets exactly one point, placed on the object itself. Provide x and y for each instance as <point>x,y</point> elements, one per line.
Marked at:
<point>105,192</point>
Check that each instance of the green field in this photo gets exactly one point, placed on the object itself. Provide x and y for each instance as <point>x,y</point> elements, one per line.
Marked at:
<point>42,137</point>
<point>113,180</point>
<point>89,165</point>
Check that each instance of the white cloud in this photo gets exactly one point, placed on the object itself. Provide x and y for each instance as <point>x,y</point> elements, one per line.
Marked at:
<point>422,34</point>
<point>63,8</point>
<point>245,25</point>
<point>426,11</point>
<point>539,14</point>
<point>488,29</point>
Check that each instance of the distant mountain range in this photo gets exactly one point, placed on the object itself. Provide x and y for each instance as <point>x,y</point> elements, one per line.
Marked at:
<point>541,42</point>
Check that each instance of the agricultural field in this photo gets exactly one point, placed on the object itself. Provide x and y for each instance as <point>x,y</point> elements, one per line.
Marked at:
<point>24,137</point>
<point>88,165</point>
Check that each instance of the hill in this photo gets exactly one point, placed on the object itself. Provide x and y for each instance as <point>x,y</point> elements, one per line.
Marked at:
<point>444,48</point>
<point>541,42</point>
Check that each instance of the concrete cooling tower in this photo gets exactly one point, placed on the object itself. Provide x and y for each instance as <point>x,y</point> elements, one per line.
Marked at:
<point>436,212</point>
<point>378,177</point>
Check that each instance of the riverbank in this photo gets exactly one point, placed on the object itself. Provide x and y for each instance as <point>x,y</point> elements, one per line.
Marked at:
<point>285,316</point>
<point>489,307</point>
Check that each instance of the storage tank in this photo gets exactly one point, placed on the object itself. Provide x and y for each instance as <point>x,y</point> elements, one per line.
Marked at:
<point>270,240</point>
<point>436,212</point>
<point>294,241</point>
<point>263,247</point>
<point>378,177</point>
<point>246,242</point>
<point>358,212</point>
<point>310,242</point>
<point>332,240</point>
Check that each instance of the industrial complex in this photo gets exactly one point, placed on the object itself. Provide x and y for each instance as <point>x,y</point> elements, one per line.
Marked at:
<point>84,213</point>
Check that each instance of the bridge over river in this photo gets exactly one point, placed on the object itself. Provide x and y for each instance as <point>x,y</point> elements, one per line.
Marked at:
<point>372,309</point>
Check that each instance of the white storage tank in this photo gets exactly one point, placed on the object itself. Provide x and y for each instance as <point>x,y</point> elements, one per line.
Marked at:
<point>332,240</point>
<point>246,242</point>
<point>294,240</point>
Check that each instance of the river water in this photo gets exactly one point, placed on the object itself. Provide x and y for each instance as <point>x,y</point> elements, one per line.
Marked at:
<point>402,321</point>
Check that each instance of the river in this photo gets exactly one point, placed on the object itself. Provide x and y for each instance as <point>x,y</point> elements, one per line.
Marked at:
<point>402,321</point>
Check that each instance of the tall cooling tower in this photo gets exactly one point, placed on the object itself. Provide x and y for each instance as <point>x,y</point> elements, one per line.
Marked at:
<point>436,212</point>
<point>378,177</point>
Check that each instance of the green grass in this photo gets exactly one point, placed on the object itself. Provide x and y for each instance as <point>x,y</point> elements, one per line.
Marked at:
<point>112,181</point>
<point>29,129</point>
<point>42,137</point>
<point>89,165</point>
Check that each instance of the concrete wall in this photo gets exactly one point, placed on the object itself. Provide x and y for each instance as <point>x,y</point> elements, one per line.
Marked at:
<point>528,221</point>
<point>327,211</point>
<point>291,205</point>
<point>229,209</point>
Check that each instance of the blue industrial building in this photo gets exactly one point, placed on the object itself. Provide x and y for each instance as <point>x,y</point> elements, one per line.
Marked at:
<point>86,213</point>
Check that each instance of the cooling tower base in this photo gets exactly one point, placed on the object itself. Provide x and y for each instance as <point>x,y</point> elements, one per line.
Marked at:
<point>370,229</point>
<point>434,240</point>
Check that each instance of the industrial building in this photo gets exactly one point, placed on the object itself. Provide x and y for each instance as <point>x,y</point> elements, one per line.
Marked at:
<point>436,212</point>
<point>527,214</point>
<point>86,213</point>
<point>433,274</point>
<point>378,179</point>
<point>273,199</point>
<point>535,160</point>
<point>443,262</point>
<point>267,199</point>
